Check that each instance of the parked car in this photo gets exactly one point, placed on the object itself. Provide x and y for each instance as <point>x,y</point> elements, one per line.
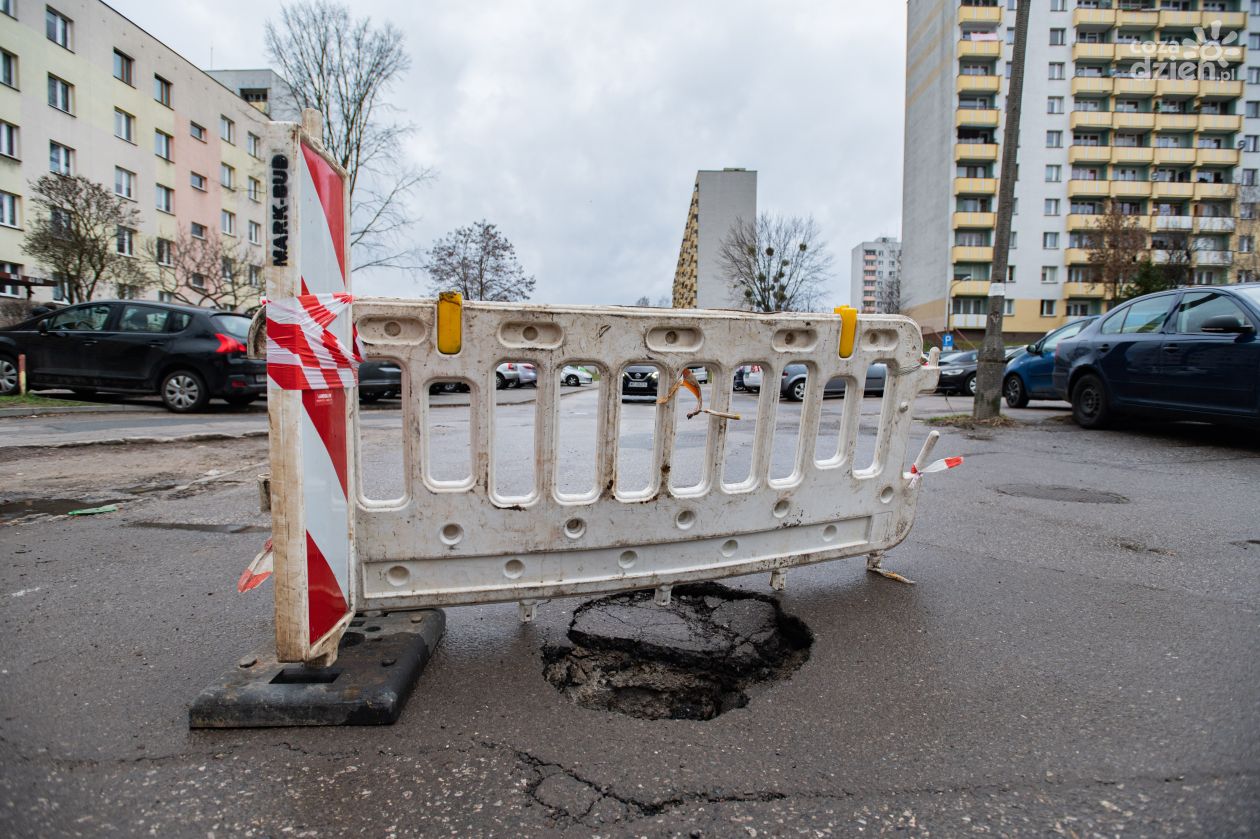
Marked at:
<point>526,375</point>
<point>186,355</point>
<point>575,376</point>
<point>1029,375</point>
<point>752,378</point>
<point>792,382</point>
<point>958,372</point>
<point>701,373</point>
<point>737,382</point>
<point>639,381</point>
<point>507,375</point>
<point>1189,354</point>
<point>379,380</point>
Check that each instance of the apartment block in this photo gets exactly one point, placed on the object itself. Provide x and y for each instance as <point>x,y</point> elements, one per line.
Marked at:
<point>719,201</point>
<point>872,266</point>
<point>1148,106</point>
<point>85,91</point>
<point>265,89</point>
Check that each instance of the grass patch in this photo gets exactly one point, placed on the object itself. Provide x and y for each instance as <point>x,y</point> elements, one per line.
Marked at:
<point>966,421</point>
<point>32,400</point>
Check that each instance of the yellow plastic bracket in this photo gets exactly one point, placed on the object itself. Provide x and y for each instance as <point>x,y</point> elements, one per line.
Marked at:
<point>848,329</point>
<point>450,322</point>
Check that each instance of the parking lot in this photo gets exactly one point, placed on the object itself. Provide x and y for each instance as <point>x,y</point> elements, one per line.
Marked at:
<point>1078,657</point>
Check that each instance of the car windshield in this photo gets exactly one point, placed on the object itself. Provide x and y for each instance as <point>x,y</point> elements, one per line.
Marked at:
<point>960,357</point>
<point>1252,294</point>
<point>235,325</point>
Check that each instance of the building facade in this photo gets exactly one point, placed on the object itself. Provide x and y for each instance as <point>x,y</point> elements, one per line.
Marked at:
<point>87,92</point>
<point>719,201</point>
<point>1148,108</point>
<point>265,89</point>
<point>874,267</point>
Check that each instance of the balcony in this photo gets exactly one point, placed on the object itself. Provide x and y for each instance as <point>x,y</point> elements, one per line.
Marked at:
<point>1174,156</point>
<point>1132,154</point>
<point>1076,256</point>
<point>975,186</point>
<point>1163,223</point>
<point>975,151</point>
<point>969,83</point>
<point>1172,189</point>
<point>1213,258</point>
<point>976,118</point>
<point>1135,87</point>
<point>974,219</point>
<point>1177,87</point>
<point>1224,89</point>
<point>1082,221</point>
<point>968,321</point>
<point>1094,18</point>
<point>1220,122</point>
<point>1137,19</point>
<point>1227,20</point>
<point>1164,257</point>
<point>1095,52</point>
<point>970,288</point>
<point>971,253</point>
<point>1089,119</point>
<point>1091,84</point>
<point>1176,122</point>
<point>1084,290</point>
<point>1202,191</point>
<point>1181,20</point>
<point>1129,120</point>
<point>980,14</point>
<point>1083,187</point>
<point>1217,157</point>
<point>979,49</point>
<point>1131,189</point>
<point>1213,224</point>
<point>1089,154</point>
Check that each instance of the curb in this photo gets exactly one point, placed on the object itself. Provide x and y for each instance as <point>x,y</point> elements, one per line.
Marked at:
<point>51,410</point>
<point>204,437</point>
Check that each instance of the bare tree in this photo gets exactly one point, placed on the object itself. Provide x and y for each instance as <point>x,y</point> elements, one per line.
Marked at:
<point>212,270</point>
<point>1178,247</point>
<point>1116,243</point>
<point>664,302</point>
<point>1248,224</point>
<point>643,301</point>
<point>776,264</point>
<point>888,293</point>
<point>84,235</point>
<point>342,67</point>
<point>480,263</point>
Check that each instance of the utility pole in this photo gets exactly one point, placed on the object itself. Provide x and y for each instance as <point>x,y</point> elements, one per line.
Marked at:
<point>992,362</point>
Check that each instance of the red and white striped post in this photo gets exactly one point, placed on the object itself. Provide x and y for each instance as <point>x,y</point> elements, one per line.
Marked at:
<point>310,396</point>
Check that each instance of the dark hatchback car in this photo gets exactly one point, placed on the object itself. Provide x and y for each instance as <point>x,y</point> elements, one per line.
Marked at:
<point>1189,354</point>
<point>184,354</point>
<point>793,386</point>
<point>639,381</point>
<point>958,372</point>
<point>379,380</point>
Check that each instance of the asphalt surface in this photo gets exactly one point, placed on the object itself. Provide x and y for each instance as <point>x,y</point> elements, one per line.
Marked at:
<point>1080,657</point>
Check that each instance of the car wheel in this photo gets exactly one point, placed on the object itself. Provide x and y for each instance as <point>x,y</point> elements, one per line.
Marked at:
<point>499,381</point>
<point>752,389</point>
<point>1091,406</point>
<point>572,381</point>
<point>1014,391</point>
<point>797,391</point>
<point>450,387</point>
<point>8,376</point>
<point>184,391</point>
<point>374,397</point>
<point>242,400</point>
<point>969,386</point>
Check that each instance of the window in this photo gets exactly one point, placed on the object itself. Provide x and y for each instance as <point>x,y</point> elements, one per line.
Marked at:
<point>227,176</point>
<point>1077,308</point>
<point>9,7</point>
<point>126,241</point>
<point>164,252</point>
<point>1246,244</point>
<point>1054,104</point>
<point>8,139</point>
<point>60,94</point>
<point>197,180</point>
<point>198,132</point>
<point>143,319</point>
<point>227,223</point>
<point>197,281</point>
<point>197,231</point>
<point>8,68</point>
<point>1253,41</point>
<point>255,189</point>
<point>1054,172</point>
<point>1050,241</point>
<point>253,145</point>
<point>1251,142</point>
<point>227,270</point>
<point>124,68</point>
<point>60,159</point>
<point>1249,177</point>
<point>80,318</point>
<point>1010,35</point>
<point>165,198</point>
<point>165,297</point>
<point>1054,139</point>
<point>1198,307</point>
<point>1253,75</point>
<point>255,233</point>
<point>1058,37</point>
<point>227,130</point>
<point>59,220</point>
<point>1247,209</point>
<point>255,276</point>
<point>8,209</point>
<point>1147,315</point>
<point>1253,109</point>
<point>1008,307</point>
<point>10,289</point>
<point>1049,274</point>
<point>1047,308</point>
<point>1056,71</point>
<point>124,125</point>
<point>58,27</point>
<point>1052,206</point>
<point>124,182</point>
<point>162,91</point>
<point>1058,5</point>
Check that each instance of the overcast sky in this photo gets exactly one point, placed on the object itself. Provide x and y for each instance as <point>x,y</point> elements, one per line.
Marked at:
<point>578,126</point>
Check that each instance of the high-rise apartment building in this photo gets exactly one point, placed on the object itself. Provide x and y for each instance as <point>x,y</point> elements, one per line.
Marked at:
<point>1148,107</point>
<point>874,267</point>
<point>85,91</point>
<point>265,89</point>
<point>719,200</point>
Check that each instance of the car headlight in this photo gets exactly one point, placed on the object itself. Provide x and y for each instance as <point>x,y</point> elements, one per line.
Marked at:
<point>952,372</point>
<point>654,375</point>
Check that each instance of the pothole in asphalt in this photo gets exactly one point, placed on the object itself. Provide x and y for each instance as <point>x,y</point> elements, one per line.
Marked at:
<point>691,660</point>
<point>1044,492</point>
<point>24,507</point>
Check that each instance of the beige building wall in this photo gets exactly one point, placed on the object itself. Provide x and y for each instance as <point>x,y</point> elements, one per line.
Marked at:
<point>719,200</point>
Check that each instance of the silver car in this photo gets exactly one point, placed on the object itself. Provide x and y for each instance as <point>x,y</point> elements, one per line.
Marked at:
<point>575,376</point>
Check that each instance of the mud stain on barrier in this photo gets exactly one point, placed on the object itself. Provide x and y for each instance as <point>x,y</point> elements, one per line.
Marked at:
<point>1046,492</point>
<point>691,660</point>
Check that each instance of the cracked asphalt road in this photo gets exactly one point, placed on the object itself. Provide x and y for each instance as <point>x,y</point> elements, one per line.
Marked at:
<point>1062,667</point>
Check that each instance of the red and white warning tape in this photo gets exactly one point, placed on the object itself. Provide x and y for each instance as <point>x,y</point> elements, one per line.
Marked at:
<point>916,474</point>
<point>302,353</point>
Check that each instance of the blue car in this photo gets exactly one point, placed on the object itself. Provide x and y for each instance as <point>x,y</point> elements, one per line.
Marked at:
<point>1188,354</point>
<point>1030,375</point>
